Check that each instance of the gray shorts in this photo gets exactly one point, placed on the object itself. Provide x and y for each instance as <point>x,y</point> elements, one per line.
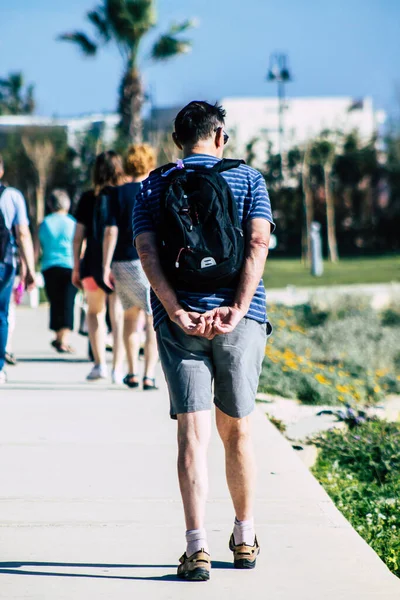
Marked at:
<point>131,285</point>
<point>232,361</point>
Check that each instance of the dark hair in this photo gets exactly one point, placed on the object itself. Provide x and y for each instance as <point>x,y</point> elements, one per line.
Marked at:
<point>197,121</point>
<point>108,170</point>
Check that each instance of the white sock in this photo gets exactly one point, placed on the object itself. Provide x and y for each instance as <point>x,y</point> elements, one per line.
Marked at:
<point>196,539</point>
<point>243,532</point>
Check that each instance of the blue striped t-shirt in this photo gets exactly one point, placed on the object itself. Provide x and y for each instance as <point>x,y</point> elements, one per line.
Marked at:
<point>250,192</point>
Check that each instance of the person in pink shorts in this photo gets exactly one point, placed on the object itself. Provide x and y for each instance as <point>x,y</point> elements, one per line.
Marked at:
<point>91,216</point>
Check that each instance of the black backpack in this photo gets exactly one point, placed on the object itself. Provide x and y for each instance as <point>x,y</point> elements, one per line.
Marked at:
<point>200,237</point>
<point>5,233</point>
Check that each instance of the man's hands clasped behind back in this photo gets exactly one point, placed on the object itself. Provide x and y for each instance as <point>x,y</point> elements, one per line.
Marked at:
<point>209,324</point>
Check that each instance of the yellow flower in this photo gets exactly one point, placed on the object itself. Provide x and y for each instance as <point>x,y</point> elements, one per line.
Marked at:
<point>377,389</point>
<point>321,379</point>
<point>381,372</point>
<point>343,389</point>
<point>282,323</point>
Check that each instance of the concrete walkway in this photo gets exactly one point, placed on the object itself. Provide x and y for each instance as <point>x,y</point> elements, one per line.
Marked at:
<point>90,507</point>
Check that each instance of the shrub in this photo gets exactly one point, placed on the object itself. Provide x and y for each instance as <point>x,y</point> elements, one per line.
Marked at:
<point>371,452</point>
<point>361,472</point>
<point>352,359</point>
<point>391,316</point>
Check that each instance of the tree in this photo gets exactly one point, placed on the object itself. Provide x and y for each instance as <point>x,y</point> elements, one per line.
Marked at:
<point>323,153</point>
<point>15,98</point>
<point>308,204</point>
<point>125,23</point>
<point>41,153</point>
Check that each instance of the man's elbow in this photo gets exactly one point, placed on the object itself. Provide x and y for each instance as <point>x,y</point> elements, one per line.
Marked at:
<point>146,252</point>
<point>259,245</point>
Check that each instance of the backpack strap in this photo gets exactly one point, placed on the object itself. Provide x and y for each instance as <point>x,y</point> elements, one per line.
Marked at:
<point>163,169</point>
<point>226,164</point>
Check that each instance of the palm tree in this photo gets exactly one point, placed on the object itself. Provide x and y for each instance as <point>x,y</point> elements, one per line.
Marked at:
<point>308,200</point>
<point>125,24</point>
<point>41,154</point>
<point>14,99</point>
<point>324,154</point>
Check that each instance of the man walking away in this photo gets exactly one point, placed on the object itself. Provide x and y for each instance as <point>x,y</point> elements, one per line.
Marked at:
<point>13,216</point>
<point>202,231</point>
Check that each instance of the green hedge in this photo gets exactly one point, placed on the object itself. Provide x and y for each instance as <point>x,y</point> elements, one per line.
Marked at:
<point>360,470</point>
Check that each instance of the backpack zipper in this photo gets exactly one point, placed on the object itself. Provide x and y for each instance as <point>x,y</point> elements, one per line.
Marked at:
<point>187,249</point>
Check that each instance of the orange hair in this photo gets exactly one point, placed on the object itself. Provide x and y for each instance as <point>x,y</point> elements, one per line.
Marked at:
<point>140,160</point>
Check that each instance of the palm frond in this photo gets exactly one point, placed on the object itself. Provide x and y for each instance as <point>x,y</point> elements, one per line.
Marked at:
<point>130,19</point>
<point>80,39</point>
<point>168,46</point>
<point>178,28</point>
<point>98,20</point>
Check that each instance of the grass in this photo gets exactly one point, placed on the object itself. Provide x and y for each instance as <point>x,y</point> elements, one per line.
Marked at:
<point>281,272</point>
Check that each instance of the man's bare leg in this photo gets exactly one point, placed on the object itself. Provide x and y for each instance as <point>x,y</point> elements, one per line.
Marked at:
<point>194,431</point>
<point>240,471</point>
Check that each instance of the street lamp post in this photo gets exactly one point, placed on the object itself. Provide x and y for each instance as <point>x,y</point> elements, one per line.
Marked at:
<point>279,72</point>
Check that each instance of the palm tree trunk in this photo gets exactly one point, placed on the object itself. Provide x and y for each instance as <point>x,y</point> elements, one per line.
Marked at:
<point>308,204</point>
<point>330,214</point>
<point>131,99</point>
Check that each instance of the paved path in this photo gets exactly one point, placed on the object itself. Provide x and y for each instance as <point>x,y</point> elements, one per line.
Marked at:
<point>90,507</point>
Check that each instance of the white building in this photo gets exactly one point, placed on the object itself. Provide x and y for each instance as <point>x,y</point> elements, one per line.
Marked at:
<point>247,119</point>
<point>303,119</point>
<point>104,124</point>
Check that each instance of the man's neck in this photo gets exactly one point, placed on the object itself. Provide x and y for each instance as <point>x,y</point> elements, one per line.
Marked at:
<point>199,149</point>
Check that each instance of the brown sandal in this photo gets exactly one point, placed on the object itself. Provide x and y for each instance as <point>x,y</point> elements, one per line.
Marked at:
<point>244,557</point>
<point>196,567</point>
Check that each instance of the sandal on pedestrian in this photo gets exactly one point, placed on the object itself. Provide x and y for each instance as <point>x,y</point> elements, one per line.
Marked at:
<point>151,385</point>
<point>10,359</point>
<point>195,567</point>
<point>244,557</point>
<point>62,348</point>
<point>131,380</point>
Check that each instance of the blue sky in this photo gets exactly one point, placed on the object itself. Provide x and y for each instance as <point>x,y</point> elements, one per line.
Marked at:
<point>347,47</point>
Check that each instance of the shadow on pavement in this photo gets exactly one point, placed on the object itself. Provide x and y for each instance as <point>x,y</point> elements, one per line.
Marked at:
<point>48,359</point>
<point>14,568</point>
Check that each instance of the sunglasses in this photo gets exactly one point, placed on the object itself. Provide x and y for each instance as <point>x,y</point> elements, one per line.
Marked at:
<point>226,136</point>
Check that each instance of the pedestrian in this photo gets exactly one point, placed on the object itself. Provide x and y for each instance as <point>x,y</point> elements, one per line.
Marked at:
<point>13,217</point>
<point>121,261</point>
<point>91,216</point>
<point>202,228</point>
<point>56,235</point>
<point>16,299</point>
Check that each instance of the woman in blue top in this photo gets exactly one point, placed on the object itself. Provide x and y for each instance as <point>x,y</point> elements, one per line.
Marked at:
<point>56,236</point>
